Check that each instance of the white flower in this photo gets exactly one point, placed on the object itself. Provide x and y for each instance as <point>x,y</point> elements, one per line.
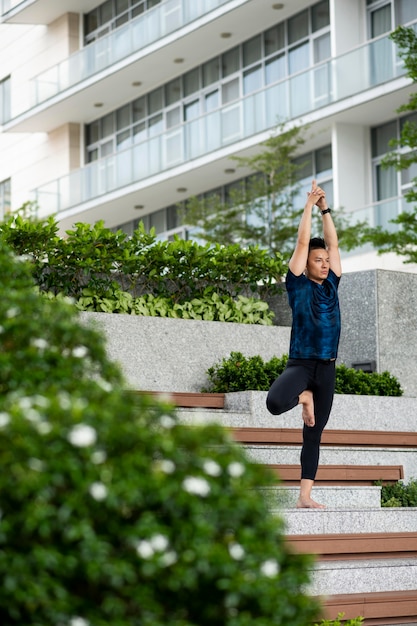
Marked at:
<point>270,568</point>
<point>159,543</point>
<point>80,352</point>
<point>4,419</point>
<point>169,558</point>
<point>78,621</point>
<point>104,384</point>
<point>236,469</point>
<point>82,435</point>
<point>236,551</point>
<point>98,456</point>
<point>39,343</point>
<point>36,464</point>
<point>43,428</point>
<point>167,421</point>
<point>13,312</point>
<point>212,468</point>
<point>167,466</point>
<point>145,550</point>
<point>196,485</point>
<point>98,491</point>
<point>64,400</point>
<point>33,415</point>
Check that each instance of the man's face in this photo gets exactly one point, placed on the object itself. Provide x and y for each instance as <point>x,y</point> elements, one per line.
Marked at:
<point>318,265</point>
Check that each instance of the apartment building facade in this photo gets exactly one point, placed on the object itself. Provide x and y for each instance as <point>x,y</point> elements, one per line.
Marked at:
<point>120,110</point>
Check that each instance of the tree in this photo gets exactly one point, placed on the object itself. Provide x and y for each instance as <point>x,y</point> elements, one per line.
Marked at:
<point>262,210</point>
<point>402,240</point>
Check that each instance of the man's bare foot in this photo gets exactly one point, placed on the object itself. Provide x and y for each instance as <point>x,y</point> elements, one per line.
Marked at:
<point>308,503</point>
<point>306,399</point>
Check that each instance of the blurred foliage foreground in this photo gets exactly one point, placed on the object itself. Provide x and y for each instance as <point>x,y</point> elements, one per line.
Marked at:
<point>111,512</point>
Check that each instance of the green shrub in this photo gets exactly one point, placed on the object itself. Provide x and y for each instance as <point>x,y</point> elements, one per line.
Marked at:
<point>96,258</point>
<point>112,513</point>
<point>241,373</point>
<point>399,494</point>
<point>211,307</point>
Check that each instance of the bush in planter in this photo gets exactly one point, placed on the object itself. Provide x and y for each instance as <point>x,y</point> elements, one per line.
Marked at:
<point>241,373</point>
<point>112,512</point>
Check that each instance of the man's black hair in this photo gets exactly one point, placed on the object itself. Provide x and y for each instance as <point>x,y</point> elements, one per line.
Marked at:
<point>316,242</point>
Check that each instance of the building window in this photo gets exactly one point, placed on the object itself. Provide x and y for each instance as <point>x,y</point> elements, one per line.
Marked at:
<point>286,48</point>
<point>5,113</point>
<point>112,14</point>
<point>388,183</point>
<point>5,197</point>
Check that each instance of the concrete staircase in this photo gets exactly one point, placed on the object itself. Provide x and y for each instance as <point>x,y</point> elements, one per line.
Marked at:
<point>366,555</point>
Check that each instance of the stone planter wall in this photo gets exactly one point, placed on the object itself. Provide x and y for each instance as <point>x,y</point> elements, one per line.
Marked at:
<point>379,324</point>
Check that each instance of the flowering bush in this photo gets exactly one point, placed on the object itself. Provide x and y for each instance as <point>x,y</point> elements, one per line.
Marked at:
<point>112,513</point>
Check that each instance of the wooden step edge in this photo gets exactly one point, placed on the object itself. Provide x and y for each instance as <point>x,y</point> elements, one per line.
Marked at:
<point>365,475</point>
<point>330,437</point>
<point>392,607</point>
<point>356,545</point>
<point>185,399</point>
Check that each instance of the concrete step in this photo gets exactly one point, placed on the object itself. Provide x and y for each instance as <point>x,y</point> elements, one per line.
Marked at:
<point>341,455</point>
<point>348,519</point>
<point>362,576</point>
<point>281,497</point>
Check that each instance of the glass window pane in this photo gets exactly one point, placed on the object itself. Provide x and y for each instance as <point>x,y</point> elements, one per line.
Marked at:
<point>230,91</point>
<point>322,48</point>
<point>252,51</point>
<point>252,80</point>
<point>324,159</point>
<point>106,12</point>
<point>156,125</point>
<point>406,11</point>
<point>230,62</point>
<point>298,58</point>
<point>386,183</point>
<point>91,21</point>
<point>171,217</point>
<point>157,221</point>
<point>139,132</point>
<point>93,132</point>
<point>408,175</point>
<point>211,71</point>
<point>123,140</point>
<point>211,101</point>
<point>380,21</point>
<point>192,82</point>
<point>173,91</point>
<point>381,136</point>
<point>123,117</point>
<point>139,109</point>
<point>106,148</point>
<point>121,5</point>
<point>305,163</point>
<point>156,100</point>
<point>298,27</point>
<point>275,69</point>
<point>320,15</point>
<point>274,39</point>
<point>107,125</point>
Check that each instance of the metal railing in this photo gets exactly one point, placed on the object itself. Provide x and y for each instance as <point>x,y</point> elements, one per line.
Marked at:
<point>135,35</point>
<point>285,100</point>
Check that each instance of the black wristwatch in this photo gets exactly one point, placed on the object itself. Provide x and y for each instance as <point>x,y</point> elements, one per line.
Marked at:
<point>326,211</point>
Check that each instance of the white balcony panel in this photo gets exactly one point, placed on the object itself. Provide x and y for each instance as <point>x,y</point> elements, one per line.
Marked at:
<point>143,50</point>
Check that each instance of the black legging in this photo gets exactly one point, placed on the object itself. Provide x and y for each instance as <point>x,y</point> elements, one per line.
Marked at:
<point>299,375</point>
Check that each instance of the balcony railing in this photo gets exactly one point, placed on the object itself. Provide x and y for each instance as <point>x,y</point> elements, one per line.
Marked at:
<point>285,100</point>
<point>135,35</point>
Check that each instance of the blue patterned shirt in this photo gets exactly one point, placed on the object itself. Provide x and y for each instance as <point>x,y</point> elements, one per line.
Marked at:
<point>315,309</point>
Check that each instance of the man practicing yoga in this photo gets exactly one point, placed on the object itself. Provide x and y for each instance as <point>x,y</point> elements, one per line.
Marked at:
<point>312,282</point>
